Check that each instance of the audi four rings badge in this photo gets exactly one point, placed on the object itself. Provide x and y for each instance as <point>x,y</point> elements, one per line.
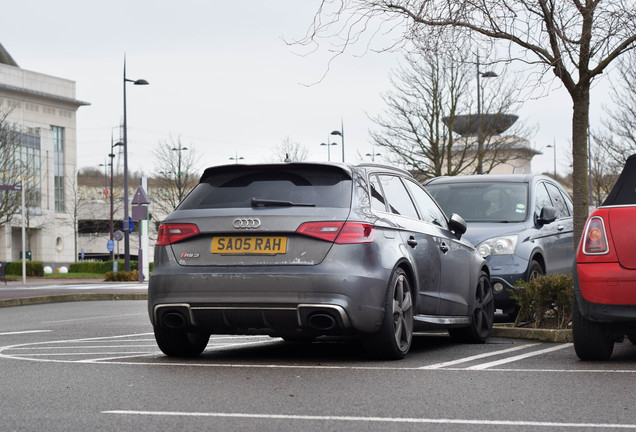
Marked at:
<point>246,223</point>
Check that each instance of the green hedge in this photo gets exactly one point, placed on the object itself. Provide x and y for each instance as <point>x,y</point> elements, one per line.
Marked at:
<point>33,268</point>
<point>99,266</point>
<point>122,276</point>
<point>544,298</point>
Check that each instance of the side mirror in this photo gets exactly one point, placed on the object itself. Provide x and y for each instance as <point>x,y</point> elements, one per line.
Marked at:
<point>548,215</point>
<point>457,225</point>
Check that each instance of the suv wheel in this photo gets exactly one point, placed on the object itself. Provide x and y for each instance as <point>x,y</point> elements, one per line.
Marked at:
<point>592,340</point>
<point>534,270</point>
<point>179,343</point>
<point>483,314</point>
<point>393,340</point>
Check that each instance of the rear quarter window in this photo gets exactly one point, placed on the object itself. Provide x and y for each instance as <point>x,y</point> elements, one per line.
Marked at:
<point>317,186</point>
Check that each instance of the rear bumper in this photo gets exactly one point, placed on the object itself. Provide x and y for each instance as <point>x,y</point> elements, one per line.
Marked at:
<point>601,301</point>
<point>256,301</point>
<point>607,283</point>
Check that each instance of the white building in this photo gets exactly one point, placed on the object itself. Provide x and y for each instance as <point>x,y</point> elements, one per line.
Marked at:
<point>43,108</point>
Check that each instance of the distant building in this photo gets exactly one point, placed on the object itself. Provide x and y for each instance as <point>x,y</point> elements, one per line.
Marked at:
<point>43,109</point>
<point>509,154</point>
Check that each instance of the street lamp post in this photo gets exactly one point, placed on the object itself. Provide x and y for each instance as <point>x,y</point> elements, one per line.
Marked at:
<point>328,148</point>
<point>179,173</point>
<point>373,154</point>
<point>341,134</point>
<point>553,146</point>
<point>110,191</point>
<point>126,217</point>
<point>236,158</point>
<point>105,165</point>
<point>480,143</point>
<point>112,198</point>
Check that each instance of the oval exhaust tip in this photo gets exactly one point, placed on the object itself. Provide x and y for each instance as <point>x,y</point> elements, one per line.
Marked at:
<point>174,320</point>
<point>322,321</point>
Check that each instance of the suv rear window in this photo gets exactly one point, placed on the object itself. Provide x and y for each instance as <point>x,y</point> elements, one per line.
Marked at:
<point>228,187</point>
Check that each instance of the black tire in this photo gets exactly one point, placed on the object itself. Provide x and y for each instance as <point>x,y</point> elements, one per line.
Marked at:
<point>393,340</point>
<point>482,315</point>
<point>535,269</point>
<point>178,343</point>
<point>592,340</point>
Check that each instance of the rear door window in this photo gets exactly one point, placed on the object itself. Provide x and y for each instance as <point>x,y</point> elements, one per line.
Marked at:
<point>399,200</point>
<point>378,202</point>
<point>429,210</point>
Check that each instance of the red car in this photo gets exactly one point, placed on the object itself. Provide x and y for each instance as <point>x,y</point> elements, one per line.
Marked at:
<point>604,308</point>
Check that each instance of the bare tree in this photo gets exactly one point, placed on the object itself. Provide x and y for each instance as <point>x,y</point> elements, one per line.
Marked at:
<point>290,151</point>
<point>176,171</point>
<point>604,169</point>
<point>11,168</point>
<point>423,108</point>
<point>612,145</point>
<point>576,40</point>
<point>620,139</point>
<point>19,165</point>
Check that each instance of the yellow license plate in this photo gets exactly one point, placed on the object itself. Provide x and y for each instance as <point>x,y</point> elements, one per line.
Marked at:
<point>249,245</point>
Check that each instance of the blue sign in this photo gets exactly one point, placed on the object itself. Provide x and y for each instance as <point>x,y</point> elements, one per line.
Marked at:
<point>131,225</point>
<point>110,245</point>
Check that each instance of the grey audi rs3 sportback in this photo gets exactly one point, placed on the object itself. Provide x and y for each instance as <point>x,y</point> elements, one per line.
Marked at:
<point>303,250</point>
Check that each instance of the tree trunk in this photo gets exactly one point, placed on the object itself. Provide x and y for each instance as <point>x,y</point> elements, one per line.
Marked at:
<point>580,179</point>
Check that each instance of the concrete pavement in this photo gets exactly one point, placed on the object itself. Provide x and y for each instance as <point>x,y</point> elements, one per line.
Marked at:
<point>39,290</point>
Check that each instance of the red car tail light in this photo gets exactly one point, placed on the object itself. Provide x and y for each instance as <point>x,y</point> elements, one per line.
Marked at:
<point>595,237</point>
<point>174,232</point>
<point>339,232</point>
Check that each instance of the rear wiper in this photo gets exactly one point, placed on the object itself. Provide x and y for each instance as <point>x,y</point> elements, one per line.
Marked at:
<point>256,202</point>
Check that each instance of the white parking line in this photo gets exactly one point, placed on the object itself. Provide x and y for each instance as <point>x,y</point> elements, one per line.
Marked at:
<point>519,357</point>
<point>375,419</point>
<point>477,357</point>
<point>140,345</point>
<point>23,332</point>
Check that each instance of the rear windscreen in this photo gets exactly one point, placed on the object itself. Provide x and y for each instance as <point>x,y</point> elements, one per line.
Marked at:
<point>293,185</point>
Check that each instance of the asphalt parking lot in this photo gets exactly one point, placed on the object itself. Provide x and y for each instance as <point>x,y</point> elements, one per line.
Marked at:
<point>71,366</point>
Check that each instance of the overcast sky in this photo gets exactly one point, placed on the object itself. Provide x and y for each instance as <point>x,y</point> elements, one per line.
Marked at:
<point>221,78</point>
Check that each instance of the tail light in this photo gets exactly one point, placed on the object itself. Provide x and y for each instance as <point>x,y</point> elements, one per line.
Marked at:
<point>595,237</point>
<point>174,232</point>
<point>338,232</point>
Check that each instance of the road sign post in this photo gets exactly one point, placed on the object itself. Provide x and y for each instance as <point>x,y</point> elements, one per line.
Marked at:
<point>140,213</point>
